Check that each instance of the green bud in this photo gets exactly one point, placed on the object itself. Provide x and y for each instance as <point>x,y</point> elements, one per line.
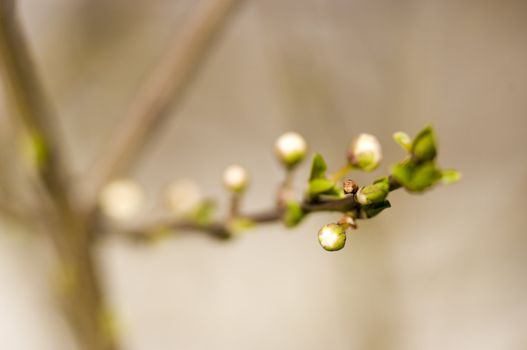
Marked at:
<point>365,152</point>
<point>291,149</point>
<point>450,176</point>
<point>403,140</point>
<point>332,237</point>
<point>374,193</point>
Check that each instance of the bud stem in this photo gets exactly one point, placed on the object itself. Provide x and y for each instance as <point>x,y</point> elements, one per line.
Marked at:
<point>339,174</point>
<point>285,188</point>
<point>234,209</point>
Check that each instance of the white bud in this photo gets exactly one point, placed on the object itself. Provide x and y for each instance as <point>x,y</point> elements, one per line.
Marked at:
<point>235,178</point>
<point>332,237</point>
<point>121,199</point>
<point>290,148</point>
<point>365,152</point>
<point>183,196</point>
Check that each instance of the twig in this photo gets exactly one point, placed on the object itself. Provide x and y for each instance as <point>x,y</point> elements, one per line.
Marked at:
<point>165,85</point>
<point>220,229</point>
<point>216,229</point>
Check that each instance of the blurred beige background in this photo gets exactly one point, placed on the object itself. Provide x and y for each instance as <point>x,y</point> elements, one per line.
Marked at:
<point>446,270</point>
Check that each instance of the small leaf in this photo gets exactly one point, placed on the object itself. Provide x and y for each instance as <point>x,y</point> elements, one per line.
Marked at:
<point>318,167</point>
<point>416,177</point>
<point>450,176</point>
<point>320,186</point>
<point>403,140</point>
<point>204,213</point>
<point>293,214</point>
<point>238,225</point>
<point>424,146</point>
<point>371,210</point>
<point>403,171</point>
<point>426,176</point>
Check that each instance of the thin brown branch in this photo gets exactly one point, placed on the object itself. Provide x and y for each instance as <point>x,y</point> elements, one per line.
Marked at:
<point>162,89</point>
<point>220,229</point>
<point>216,229</point>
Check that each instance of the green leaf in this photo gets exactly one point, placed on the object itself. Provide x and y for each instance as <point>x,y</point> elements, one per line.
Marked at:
<point>320,186</point>
<point>450,176</point>
<point>318,167</point>
<point>371,210</point>
<point>403,140</point>
<point>293,214</point>
<point>416,177</point>
<point>204,213</point>
<point>424,146</point>
<point>238,225</point>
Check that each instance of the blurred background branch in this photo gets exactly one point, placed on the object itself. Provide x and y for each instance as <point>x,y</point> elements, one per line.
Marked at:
<point>69,227</point>
<point>164,86</point>
<point>31,107</point>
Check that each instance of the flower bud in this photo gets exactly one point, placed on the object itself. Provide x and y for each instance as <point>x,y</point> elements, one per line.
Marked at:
<point>121,199</point>
<point>235,178</point>
<point>183,197</point>
<point>375,193</point>
<point>332,237</point>
<point>365,152</point>
<point>290,148</point>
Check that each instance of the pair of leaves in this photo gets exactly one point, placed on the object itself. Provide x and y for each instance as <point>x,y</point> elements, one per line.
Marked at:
<point>420,171</point>
<point>416,177</point>
<point>423,148</point>
<point>319,184</point>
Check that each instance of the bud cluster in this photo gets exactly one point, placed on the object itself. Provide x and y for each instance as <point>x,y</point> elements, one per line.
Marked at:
<point>122,199</point>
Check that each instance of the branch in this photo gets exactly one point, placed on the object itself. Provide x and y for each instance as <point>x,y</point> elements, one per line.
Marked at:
<point>220,229</point>
<point>165,85</point>
<point>31,108</point>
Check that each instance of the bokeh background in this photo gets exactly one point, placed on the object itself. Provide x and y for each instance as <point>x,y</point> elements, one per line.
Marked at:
<point>444,270</point>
